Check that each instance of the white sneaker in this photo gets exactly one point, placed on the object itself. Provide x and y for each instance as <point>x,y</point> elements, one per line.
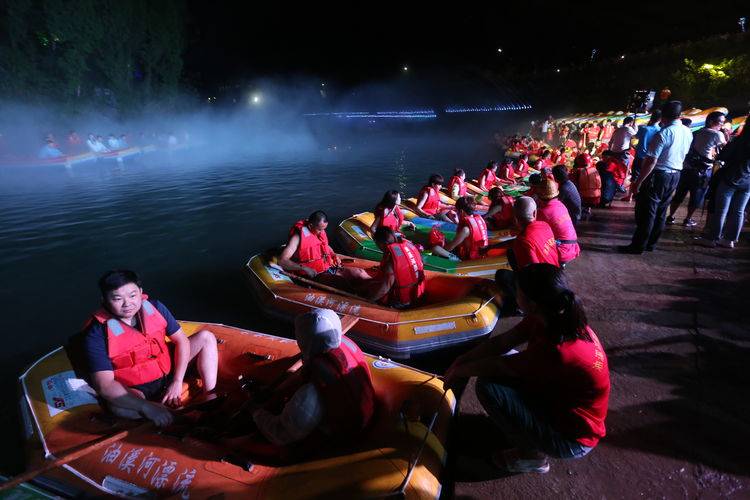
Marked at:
<point>726,243</point>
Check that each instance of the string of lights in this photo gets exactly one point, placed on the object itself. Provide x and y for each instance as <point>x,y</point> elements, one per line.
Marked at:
<point>421,113</point>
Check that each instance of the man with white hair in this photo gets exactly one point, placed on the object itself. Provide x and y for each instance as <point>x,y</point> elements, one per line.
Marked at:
<point>536,242</point>
<point>334,397</point>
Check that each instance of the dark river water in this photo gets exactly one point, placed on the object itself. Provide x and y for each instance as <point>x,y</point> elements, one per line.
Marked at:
<point>185,224</point>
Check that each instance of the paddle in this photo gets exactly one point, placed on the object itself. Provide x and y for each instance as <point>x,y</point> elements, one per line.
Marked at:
<point>81,450</point>
<point>320,285</point>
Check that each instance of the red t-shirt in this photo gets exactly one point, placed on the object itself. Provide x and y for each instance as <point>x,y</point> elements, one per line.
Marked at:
<point>536,244</point>
<point>567,382</point>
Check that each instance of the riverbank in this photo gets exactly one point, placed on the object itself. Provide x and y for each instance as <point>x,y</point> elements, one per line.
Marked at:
<point>674,324</point>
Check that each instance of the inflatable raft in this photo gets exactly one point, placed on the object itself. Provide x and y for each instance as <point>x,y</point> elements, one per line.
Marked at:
<point>120,154</point>
<point>62,161</point>
<point>402,453</point>
<point>453,311</point>
<point>355,236</point>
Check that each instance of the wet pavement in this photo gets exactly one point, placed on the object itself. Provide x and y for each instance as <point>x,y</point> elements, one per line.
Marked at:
<point>676,327</point>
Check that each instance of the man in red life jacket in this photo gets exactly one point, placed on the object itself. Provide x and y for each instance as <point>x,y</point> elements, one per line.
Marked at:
<point>307,253</point>
<point>536,241</point>
<point>127,358</point>
<point>402,271</point>
<point>506,173</point>
<point>471,233</point>
<point>429,204</point>
<point>522,167</point>
<point>332,396</point>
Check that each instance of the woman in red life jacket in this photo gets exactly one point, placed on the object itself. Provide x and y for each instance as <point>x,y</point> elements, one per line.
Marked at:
<point>402,280</point>
<point>308,254</point>
<point>544,161</point>
<point>500,214</point>
<point>471,233</point>
<point>505,173</point>
<point>429,204</point>
<point>550,399</point>
<point>488,177</point>
<point>126,356</point>
<point>388,213</point>
<point>331,399</point>
<point>457,184</point>
<point>522,167</point>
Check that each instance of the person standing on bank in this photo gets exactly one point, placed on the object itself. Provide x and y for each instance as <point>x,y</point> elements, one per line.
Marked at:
<point>127,358</point>
<point>660,174</point>
<point>696,173</point>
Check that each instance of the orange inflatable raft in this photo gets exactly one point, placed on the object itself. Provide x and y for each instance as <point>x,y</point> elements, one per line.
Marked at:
<point>454,309</point>
<point>402,453</point>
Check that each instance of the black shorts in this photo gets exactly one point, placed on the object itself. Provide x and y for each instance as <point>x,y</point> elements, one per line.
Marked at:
<point>154,390</point>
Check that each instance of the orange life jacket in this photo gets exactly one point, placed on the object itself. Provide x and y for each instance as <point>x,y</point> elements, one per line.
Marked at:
<point>393,220</point>
<point>589,182</point>
<point>313,250</point>
<point>343,381</point>
<point>432,204</point>
<point>504,217</point>
<point>461,185</point>
<point>471,245</point>
<point>408,271</point>
<point>138,356</point>
<point>489,179</point>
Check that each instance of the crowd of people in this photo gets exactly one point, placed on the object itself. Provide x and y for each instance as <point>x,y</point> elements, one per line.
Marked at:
<point>550,399</point>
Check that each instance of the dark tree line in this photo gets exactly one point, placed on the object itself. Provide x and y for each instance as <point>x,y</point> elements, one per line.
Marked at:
<point>83,52</point>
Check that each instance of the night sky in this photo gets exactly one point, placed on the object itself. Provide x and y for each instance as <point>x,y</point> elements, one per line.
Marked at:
<point>360,42</point>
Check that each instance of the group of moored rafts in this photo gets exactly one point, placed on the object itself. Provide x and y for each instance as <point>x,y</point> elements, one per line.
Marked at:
<point>403,452</point>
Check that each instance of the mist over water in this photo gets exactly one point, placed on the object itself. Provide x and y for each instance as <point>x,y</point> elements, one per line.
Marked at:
<point>187,220</point>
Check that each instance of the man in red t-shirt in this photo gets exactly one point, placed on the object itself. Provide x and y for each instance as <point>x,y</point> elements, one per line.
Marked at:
<point>536,242</point>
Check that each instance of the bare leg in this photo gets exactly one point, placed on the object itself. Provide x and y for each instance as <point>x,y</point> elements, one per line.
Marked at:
<point>203,350</point>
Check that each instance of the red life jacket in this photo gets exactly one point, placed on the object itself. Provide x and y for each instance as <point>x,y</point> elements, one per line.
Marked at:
<point>408,271</point>
<point>523,167</point>
<point>461,185</point>
<point>344,384</point>
<point>313,250</point>
<point>432,204</point>
<point>393,220</point>
<point>506,172</point>
<point>138,357</point>
<point>489,179</point>
<point>504,217</point>
<point>477,239</point>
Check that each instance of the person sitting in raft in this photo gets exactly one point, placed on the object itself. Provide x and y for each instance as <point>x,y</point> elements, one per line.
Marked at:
<point>95,144</point>
<point>402,280</point>
<point>551,399</point>
<point>505,173</point>
<point>49,150</point>
<point>500,213</point>
<point>128,360</point>
<point>113,142</point>
<point>457,184</point>
<point>552,211</point>
<point>471,233</point>
<point>388,213</point>
<point>74,142</point>
<point>522,166</point>
<point>308,254</point>
<point>544,161</point>
<point>488,178</point>
<point>429,204</point>
<point>332,395</point>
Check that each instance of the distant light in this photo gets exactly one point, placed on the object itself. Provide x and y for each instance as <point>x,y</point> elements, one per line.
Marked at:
<point>708,66</point>
<point>255,99</point>
<point>323,84</point>
<point>622,56</point>
<point>499,50</point>
<point>558,70</point>
<point>405,68</point>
